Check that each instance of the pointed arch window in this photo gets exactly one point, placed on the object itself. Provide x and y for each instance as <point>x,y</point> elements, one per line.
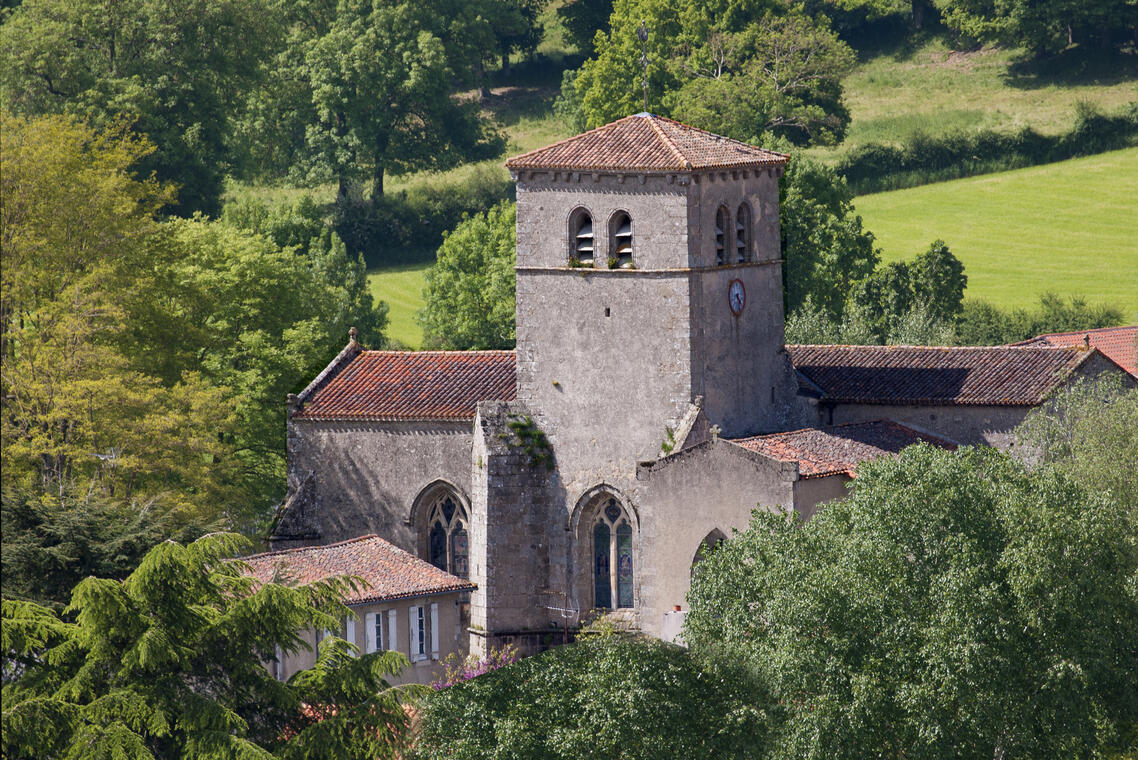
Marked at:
<point>447,538</point>
<point>582,238</point>
<point>621,226</point>
<point>743,234</point>
<point>612,557</point>
<point>722,227</point>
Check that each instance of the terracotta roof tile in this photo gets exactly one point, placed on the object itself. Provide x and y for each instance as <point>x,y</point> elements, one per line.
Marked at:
<point>1119,344</point>
<point>645,142</point>
<point>838,449</point>
<point>998,375</point>
<point>389,572</point>
<point>412,385</point>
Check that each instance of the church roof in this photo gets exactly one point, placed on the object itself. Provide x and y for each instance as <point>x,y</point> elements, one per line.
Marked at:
<point>388,571</point>
<point>410,385</point>
<point>996,375</point>
<point>1119,344</point>
<point>645,142</point>
<point>838,449</point>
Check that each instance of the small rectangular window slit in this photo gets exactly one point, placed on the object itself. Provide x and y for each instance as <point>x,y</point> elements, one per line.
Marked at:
<point>606,311</point>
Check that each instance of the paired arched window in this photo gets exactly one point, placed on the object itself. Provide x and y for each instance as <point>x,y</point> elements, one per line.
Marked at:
<point>612,556</point>
<point>743,234</point>
<point>586,243</point>
<point>448,542</point>
<point>581,238</point>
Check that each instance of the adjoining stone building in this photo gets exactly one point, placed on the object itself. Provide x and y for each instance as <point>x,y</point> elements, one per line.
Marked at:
<point>650,404</point>
<point>404,604</point>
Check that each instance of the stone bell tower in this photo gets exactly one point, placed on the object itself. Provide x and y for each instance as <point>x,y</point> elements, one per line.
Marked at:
<point>648,274</point>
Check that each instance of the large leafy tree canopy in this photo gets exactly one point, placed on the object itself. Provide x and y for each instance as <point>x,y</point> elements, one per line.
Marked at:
<point>954,605</point>
<point>599,698</point>
<point>169,664</point>
<point>1089,431</point>
<point>736,67</point>
<point>177,71</point>
<point>470,289</point>
<point>143,357</point>
<point>364,88</point>
<point>1042,26</point>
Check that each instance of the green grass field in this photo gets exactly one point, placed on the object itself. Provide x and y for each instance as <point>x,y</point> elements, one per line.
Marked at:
<point>1070,228</point>
<point>932,89</point>
<point>402,288</point>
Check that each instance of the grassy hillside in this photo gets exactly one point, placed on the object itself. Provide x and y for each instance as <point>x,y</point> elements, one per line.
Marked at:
<point>932,89</point>
<point>1067,227</point>
<point>402,288</point>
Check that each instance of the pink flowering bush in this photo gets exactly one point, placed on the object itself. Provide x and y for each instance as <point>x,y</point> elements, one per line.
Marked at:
<point>457,669</point>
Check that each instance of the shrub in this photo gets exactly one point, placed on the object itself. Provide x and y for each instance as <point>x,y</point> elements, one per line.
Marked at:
<point>924,159</point>
<point>606,697</point>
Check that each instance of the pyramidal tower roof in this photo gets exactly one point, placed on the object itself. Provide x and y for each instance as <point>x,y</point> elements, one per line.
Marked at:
<point>646,142</point>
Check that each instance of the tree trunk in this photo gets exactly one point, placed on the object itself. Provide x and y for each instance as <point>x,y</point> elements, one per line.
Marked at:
<point>344,190</point>
<point>377,185</point>
<point>483,86</point>
<point>505,61</point>
<point>920,12</point>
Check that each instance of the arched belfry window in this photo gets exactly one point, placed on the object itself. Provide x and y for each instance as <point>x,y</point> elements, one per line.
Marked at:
<point>582,239</point>
<point>447,537</point>
<point>722,228</point>
<point>612,557</point>
<point>743,234</point>
<point>621,227</point>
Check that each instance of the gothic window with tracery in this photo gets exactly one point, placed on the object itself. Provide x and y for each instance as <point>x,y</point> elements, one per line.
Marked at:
<point>447,539</point>
<point>612,557</point>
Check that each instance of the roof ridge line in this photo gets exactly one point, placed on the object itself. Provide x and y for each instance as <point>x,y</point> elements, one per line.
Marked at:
<point>684,161</point>
<point>717,136</point>
<point>295,549</point>
<point>567,139</point>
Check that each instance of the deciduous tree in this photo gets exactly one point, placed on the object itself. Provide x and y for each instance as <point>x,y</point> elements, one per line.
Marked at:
<point>175,72</point>
<point>470,289</point>
<point>953,605</point>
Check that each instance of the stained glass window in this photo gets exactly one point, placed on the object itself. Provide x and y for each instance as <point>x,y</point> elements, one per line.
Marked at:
<point>624,565</point>
<point>603,590</point>
<point>447,538</point>
<point>459,551</point>
<point>612,558</point>
<point>438,546</point>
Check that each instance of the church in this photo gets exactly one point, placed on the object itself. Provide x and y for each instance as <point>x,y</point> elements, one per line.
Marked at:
<point>650,405</point>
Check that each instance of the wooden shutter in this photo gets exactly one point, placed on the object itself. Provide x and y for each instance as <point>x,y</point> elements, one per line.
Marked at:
<point>413,627</point>
<point>369,632</point>
<point>392,632</point>
<point>434,631</point>
<point>350,628</point>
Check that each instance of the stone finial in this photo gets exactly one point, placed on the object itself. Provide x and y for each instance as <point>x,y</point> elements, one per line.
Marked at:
<point>715,431</point>
<point>352,333</point>
<point>1087,340</point>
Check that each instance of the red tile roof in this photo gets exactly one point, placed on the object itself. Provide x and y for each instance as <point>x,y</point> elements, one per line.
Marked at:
<point>1119,344</point>
<point>645,142</point>
<point>838,449</point>
<point>389,572</point>
<point>997,375</point>
<point>411,385</point>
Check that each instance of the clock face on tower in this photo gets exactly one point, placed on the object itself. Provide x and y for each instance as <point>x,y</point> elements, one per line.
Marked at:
<point>736,297</point>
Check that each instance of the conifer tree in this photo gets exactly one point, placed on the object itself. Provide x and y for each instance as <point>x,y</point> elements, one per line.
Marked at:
<point>170,664</point>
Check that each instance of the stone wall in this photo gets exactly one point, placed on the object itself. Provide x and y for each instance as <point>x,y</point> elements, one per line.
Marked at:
<point>686,496</point>
<point>518,546</point>
<point>366,476</point>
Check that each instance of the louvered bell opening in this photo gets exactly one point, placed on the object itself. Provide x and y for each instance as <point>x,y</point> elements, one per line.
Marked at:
<point>586,231</point>
<point>625,229</point>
